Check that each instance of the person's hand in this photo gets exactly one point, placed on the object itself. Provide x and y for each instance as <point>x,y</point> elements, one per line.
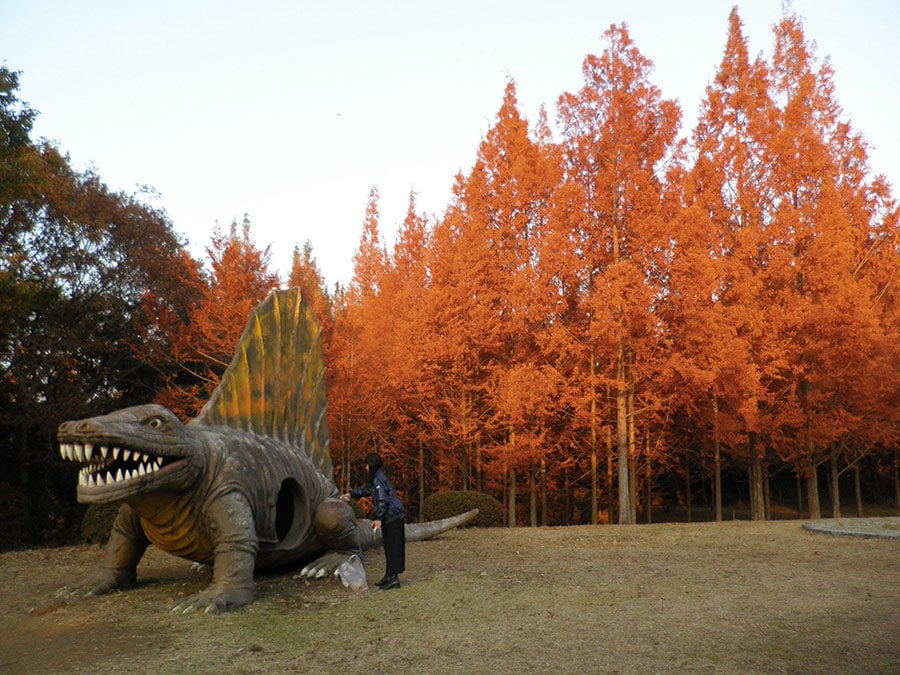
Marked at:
<point>376,524</point>
<point>346,496</point>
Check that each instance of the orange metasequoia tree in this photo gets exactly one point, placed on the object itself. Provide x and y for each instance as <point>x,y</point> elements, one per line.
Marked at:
<point>618,135</point>
<point>507,199</point>
<point>829,226</point>
<point>715,313</point>
<point>201,345</point>
<point>360,409</point>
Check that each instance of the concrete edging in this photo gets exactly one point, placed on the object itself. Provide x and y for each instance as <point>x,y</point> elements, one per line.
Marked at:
<point>867,528</point>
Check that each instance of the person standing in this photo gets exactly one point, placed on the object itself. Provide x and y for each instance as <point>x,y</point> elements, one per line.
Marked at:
<point>389,516</point>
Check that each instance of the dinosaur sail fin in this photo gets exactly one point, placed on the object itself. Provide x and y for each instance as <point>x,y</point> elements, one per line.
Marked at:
<point>275,385</point>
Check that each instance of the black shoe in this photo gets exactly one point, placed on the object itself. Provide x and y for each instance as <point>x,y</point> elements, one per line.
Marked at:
<point>391,582</point>
<point>381,582</point>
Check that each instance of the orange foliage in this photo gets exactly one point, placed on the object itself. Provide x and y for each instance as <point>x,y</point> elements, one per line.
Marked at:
<point>201,345</point>
<point>603,298</point>
<point>596,297</point>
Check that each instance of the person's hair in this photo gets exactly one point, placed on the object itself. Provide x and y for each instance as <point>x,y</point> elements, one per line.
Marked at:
<point>373,461</point>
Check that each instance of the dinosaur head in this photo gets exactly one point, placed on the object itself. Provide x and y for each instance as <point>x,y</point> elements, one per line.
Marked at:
<point>130,452</point>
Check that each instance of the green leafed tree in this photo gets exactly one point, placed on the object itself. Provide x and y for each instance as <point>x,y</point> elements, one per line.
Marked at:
<point>76,260</point>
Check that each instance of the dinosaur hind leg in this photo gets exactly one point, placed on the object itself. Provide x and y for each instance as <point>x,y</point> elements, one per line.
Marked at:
<point>338,532</point>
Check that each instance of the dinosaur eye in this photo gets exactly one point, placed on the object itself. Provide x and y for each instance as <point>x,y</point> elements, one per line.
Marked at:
<point>154,422</point>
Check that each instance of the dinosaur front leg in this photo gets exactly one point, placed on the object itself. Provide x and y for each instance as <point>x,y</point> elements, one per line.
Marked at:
<point>124,550</point>
<point>230,520</point>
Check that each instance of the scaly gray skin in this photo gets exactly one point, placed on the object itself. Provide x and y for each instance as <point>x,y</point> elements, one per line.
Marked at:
<point>245,485</point>
<point>226,498</point>
<point>219,496</point>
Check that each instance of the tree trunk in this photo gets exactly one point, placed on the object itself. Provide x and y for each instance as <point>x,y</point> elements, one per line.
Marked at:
<point>799,494</point>
<point>345,468</point>
<point>757,498</point>
<point>532,496</point>
<point>648,485</point>
<point>717,461</point>
<point>812,490</point>
<point>688,493</point>
<point>464,468</point>
<point>632,450</point>
<point>478,470</point>
<point>897,477</point>
<point>751,483</point>
<point>421,479</point>
<point>610,480</point>
<point>24,461</point>
<point>833,483</point>
<point>633,489</point>
<point>594,487</point>
<point>622,439</point>
<point>857,488</point>
<point>511,513</point>
<point>543,492</point>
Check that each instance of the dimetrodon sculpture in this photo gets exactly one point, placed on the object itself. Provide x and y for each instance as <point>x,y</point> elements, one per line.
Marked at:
<point>247,485</point>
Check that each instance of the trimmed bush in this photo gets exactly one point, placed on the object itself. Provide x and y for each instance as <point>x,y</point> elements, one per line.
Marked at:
<point>358,510</point>
<point>447,504</point>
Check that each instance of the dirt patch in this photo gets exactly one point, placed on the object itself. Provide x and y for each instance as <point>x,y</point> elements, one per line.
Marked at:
<point>731,597</point>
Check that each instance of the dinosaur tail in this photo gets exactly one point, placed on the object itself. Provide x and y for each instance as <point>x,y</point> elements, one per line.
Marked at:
<point>422,531</point>
<point>414,531</point>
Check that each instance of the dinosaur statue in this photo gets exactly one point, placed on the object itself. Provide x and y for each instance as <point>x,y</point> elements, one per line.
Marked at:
<point>246,485</point>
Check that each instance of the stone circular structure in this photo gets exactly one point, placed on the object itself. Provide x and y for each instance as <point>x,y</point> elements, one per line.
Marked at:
<point>869,528</point>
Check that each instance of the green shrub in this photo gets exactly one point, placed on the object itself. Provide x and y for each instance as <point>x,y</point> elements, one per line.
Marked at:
<point>447,504</point>
<point>98,521</point>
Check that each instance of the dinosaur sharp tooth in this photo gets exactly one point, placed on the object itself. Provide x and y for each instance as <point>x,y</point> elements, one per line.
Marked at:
<point>82,478</point>
<point>142,470</point>
<point>104,451</point>
<point>126,455</point>
<point>159,461</point>
<point>88,451</point>
<point>109,478</point>
<point>115,453</point>
<point>62,450</point>
<point>119,477</point>
<point>79,452</point>
<point>91,482</point>
<point>129,475</point>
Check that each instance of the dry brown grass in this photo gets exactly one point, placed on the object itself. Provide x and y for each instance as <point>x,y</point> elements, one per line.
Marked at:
<point>735,597</point>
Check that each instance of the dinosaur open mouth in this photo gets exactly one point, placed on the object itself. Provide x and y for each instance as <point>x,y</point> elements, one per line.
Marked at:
<point>104,465</point>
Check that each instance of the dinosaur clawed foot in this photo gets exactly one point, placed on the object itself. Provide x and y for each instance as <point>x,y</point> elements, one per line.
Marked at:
<point>344,565</point>
<point>214,601</point>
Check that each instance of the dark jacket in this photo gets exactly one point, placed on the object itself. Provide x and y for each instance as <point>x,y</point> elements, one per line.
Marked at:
<point>388,506</point>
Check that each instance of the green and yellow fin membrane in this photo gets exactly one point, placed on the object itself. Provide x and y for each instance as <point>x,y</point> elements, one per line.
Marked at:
<point>275,385</point>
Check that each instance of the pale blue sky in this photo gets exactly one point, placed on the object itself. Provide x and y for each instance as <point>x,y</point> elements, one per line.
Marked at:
<point>292,111</point>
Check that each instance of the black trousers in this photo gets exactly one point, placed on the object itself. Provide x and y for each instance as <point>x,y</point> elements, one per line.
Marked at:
<point>394,540</point>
